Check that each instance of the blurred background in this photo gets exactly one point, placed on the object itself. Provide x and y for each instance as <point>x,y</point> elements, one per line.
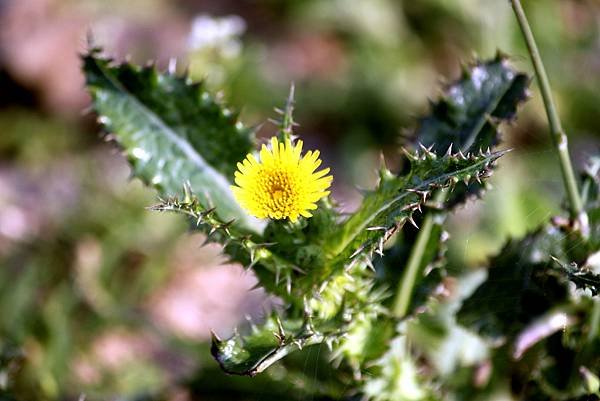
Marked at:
<point>99,296</point>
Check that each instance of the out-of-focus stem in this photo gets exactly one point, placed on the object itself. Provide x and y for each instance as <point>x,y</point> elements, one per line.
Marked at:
<point>559,138</point>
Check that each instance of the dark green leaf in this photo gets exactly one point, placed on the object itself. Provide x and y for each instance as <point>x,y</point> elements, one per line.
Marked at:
<point>469,114</point>
<point>172,131</point>
<point>466,115</point>
<point>520,286</point>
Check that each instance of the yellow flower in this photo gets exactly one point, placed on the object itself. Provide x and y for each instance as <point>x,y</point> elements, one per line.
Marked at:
<point>283,184</point>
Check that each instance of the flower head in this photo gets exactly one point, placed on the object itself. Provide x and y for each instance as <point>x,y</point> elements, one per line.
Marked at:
<point>283,184</point>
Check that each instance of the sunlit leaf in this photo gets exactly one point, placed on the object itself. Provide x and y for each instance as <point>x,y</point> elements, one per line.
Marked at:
<point>173,132</point>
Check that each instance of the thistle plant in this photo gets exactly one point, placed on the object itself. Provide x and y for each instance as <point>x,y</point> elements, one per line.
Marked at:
<point>364,285</point>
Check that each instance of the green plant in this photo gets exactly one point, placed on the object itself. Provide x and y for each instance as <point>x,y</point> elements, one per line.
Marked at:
<point>531,325</point>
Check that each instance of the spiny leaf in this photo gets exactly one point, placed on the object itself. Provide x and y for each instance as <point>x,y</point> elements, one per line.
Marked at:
<point>523,283</point>
<point>468,116</point>
<point>266,344</point>
<point>503,304</point>
<point>396,198</point>
<point>306,375</point>
<point>272,270</point>
<point>529,307</point>
<point>172,131</point>
<point>583,278</point>
<point>530,275</point>
<point>205,219</point>
<point>468,113</point>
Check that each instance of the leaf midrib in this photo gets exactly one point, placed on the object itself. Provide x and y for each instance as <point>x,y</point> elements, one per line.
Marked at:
<point>483,118</point>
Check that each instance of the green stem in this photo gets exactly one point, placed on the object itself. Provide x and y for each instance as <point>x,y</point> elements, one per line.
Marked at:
<point>413,266</point>
<point>559,138</point>
<point>409,278</point>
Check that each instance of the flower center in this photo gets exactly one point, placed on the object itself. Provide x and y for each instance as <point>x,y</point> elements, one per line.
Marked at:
<point>277,192</point>
<point>279,189</point>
